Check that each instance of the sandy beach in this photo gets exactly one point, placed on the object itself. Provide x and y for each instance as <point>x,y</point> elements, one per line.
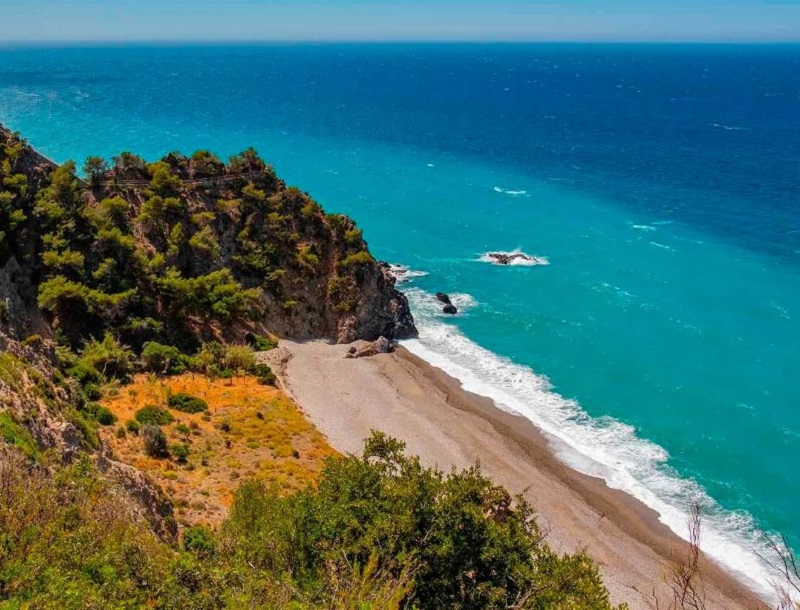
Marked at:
<point>448,427</point>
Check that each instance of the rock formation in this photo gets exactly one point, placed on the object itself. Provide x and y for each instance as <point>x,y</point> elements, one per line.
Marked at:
<point>380,346</point>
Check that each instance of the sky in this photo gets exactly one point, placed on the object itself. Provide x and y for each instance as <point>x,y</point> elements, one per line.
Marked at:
<point>393,20</point>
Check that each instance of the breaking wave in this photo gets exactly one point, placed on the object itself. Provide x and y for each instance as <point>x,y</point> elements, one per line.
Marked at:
<point>597,446</point>
<point>513,193</point>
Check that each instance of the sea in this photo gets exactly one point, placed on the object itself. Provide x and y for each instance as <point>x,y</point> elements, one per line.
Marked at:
<point>656,339</point>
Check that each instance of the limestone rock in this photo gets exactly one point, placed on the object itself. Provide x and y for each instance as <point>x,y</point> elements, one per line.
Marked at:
<point>381,345</point>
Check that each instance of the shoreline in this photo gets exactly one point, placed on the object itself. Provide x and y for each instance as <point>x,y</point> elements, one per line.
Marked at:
<point>449,427</point>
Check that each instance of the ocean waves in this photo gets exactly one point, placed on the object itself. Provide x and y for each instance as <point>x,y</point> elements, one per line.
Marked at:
<point>598,446</point>
<point>510,192</point>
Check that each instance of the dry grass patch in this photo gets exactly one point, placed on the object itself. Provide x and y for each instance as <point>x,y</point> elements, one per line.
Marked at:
<point>249,430</point>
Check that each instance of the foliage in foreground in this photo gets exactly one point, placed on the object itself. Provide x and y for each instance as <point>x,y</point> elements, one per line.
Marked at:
<point>379,531</point>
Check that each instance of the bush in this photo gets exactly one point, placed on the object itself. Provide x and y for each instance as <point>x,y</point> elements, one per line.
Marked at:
<point>14,434</point>
<point>472,545</point>
<point>264,374</point>
<point>153,416</point>
<point>100,414</point>
<point>259,343</point>
<point>85,373</point>
<point>161,359</point>
<point>92,392</point>
<point>109,357</point>
<point>200,541</point>
<point>132,426</point>
<point>186,403</point>
<point>240,358</point>
<point>154,441</point>
<point>359,258</point>
<point>179,451</point>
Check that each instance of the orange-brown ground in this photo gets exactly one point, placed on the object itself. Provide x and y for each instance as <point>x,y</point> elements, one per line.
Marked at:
<point>268,437</point>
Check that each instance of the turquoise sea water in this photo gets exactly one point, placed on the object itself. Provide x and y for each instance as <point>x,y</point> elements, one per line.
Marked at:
<point>658,348</point>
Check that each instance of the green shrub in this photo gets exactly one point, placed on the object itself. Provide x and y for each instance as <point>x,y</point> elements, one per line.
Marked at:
<point>109,357</point>
<point>200,541</point>
<point>359,258</point>
<point>161,359</point>
<point>264,374</point>
<point>87,427</point>
<point>239,358</point>
<point>259,343</point>
<point>179,451</point>
<point>14,434</point>
<point>92,392</point>
<point>100,414</point>
<point>154,441</point>
<point>153,416</point>
<point>186,403</point>
<point>132,426</point>
<point>85,373</point>
<point>472,545</point>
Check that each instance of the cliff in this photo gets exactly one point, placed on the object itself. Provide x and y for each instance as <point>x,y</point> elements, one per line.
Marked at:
<point>181,250</point>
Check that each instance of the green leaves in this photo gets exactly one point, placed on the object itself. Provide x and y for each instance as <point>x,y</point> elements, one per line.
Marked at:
<point>468,543</point>
<point>215,295</point>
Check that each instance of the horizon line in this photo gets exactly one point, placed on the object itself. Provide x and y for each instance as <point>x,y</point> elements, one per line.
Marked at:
<point>408,41</point>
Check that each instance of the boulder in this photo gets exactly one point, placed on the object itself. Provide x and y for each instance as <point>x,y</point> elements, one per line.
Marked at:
<point>381,345</point>
<point>450,309</point>
<point>444,298</point>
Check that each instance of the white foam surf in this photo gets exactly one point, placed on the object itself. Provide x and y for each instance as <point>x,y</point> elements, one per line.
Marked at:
<point>510,192</point>
<point>602,446</point>
<point>662,246</point>
<point>526,260</point>
<point>642,227</point>
<point>728,127</point>
<point>404,274</point>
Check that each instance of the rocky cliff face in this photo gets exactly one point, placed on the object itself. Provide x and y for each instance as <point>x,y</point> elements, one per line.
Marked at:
<point>163,245</point>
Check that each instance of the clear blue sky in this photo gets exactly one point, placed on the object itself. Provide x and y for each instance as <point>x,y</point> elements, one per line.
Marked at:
<point>594,20</point>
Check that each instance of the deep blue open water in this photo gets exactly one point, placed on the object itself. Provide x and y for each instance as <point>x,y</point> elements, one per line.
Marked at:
<point>659,346</point>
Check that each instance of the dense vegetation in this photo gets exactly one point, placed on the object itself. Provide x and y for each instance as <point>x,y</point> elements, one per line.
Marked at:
<point>380,531</point>
<point>184,250</point>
